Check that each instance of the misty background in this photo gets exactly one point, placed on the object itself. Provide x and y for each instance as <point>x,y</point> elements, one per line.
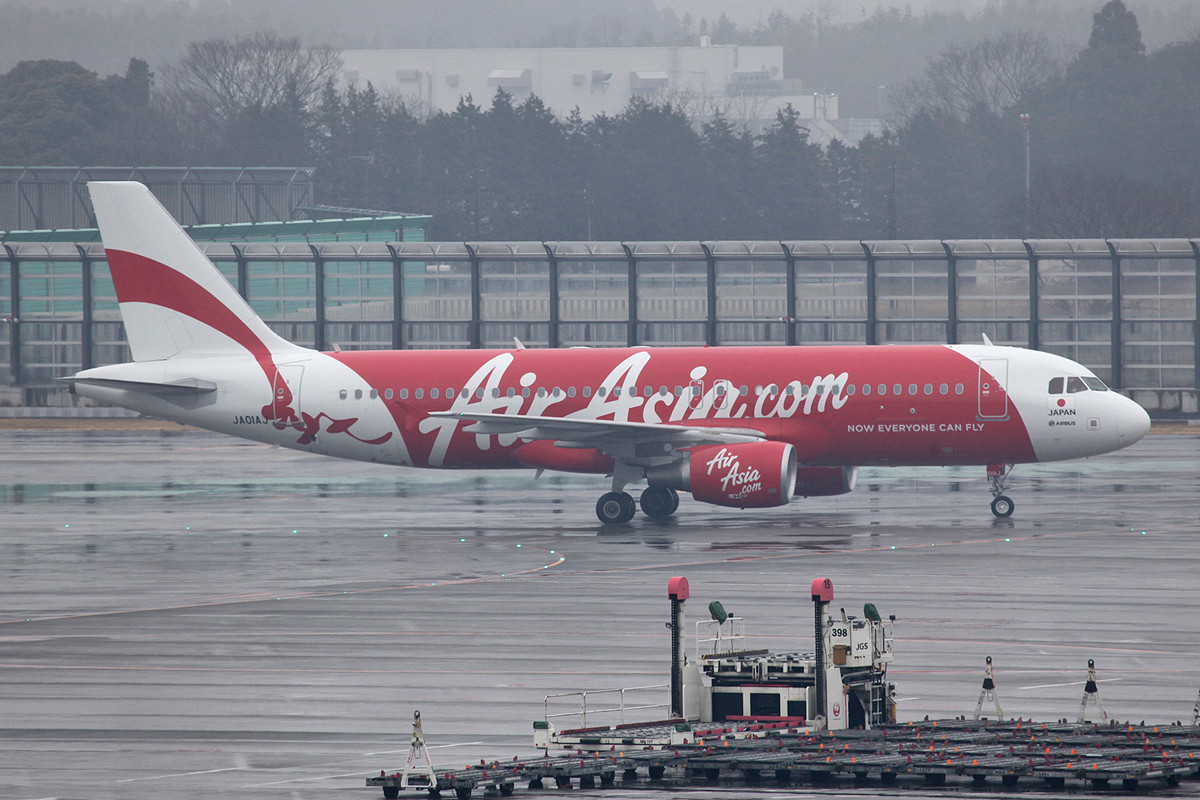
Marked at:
<point>1106,94</point>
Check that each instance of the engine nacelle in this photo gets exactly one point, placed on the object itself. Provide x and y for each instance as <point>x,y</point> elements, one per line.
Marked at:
<point>825,481</point>
<point>754,475</point>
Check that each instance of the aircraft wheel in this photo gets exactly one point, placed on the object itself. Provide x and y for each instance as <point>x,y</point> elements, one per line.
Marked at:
<point>614,508</point>
<point>1003,507</point>
<point>659,502</point>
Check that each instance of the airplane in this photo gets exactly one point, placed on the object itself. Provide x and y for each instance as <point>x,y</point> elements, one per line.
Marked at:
<point>742,427</point>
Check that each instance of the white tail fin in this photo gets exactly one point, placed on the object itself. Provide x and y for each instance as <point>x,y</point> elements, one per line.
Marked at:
<point>173,299</point>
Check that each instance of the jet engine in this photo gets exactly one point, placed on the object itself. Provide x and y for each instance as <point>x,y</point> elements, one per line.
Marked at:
<point>754,475</point>
<point>825,481</point>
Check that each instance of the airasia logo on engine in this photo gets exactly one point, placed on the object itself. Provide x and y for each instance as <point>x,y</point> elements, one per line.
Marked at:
<point>757,475</point>
<point>735,481</point>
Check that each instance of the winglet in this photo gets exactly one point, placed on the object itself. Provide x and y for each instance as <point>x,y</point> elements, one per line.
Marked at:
<point>987,341</point>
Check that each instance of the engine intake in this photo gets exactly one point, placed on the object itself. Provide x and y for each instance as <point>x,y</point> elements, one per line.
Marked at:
<point>755,475</point>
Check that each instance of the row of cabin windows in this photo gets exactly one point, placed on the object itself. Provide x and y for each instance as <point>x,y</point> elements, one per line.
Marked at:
<point>694,390</point>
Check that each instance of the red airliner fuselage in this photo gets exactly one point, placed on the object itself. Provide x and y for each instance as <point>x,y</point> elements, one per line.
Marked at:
<point>735,426</point>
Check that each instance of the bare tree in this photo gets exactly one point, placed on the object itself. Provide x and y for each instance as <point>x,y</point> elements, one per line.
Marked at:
<point>990,76</point>
<point>220,79</point>
<point>1082,202</point>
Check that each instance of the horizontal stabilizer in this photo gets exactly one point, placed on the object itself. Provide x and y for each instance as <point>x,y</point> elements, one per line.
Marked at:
<point>181,387</point>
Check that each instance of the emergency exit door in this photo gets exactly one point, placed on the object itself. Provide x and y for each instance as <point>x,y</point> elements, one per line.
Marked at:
<point>993,388</point>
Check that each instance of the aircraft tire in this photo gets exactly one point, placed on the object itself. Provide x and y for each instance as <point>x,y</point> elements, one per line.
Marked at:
<point>659,502</point>
<point>614,508</point>
<point>1003,507</point>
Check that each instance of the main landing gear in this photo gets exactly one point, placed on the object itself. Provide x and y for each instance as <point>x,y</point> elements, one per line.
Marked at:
<point>658,502</point>
<point>1002,506</point>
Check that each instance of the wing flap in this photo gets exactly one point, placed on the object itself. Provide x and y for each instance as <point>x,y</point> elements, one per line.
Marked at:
<point>596,433</point>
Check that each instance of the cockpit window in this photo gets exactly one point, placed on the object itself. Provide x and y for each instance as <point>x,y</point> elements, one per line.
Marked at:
<point>1075,385</point>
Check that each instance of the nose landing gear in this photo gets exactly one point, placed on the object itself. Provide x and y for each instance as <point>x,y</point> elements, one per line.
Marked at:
<point>1002,506</point>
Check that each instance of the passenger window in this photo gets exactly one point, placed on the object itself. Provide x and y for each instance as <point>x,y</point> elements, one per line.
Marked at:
<point>511,392</point>
<point>1075,385</point>
<point>404,394</point>
<point>587,391</point>
<point>649,390</point>
<point>958,388</point>
<point>743,390</point>
<point>1056,386</point>
<point>433,394</point>
<point>866,390</point>
<point>449,394</point>
<point>570,391</point>
<point>420,393</point>
<point>601,392</point>
<point>525,391</point>
<point>541,391</point>
<point>495,392</point>
<point>358,393</point>
<point>850,389</point>
<point>944,388</point>
<point>897,390</point>
<point>882,389</point>
<point>374,394</point>
<point>387,394</point>
<point>663,391</point>
<point>679,391</point>
<point>912,388</point>
<point>791,389</point>
<point>342,394</point>
<point>928,388</point>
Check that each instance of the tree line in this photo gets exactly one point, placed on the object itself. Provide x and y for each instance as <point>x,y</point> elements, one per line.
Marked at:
<point>1110,131</point>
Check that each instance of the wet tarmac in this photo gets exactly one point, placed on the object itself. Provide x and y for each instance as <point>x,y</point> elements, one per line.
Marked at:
<point>183,615</point>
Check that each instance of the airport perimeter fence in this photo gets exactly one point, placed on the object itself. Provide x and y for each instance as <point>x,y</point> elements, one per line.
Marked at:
<point>1125,308</point>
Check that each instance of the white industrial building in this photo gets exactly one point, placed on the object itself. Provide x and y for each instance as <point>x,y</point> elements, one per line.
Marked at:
<point>744,83</point>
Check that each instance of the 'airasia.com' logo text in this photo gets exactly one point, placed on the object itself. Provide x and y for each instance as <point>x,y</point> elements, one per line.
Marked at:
<point>736,482</point>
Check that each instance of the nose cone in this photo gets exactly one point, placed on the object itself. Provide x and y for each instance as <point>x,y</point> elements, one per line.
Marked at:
<point>1132,423</point>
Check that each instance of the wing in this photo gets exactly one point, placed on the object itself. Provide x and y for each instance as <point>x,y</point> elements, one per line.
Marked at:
<point>640,443</point>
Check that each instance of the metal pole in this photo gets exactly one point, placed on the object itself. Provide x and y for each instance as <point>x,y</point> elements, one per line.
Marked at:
<point>822,596</point>
<point>14,322</point>
<point>1025,128</point>
<point>552,335</point>
<point>318,299</point>
<point>88,315</point>
<point>677,591</point>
